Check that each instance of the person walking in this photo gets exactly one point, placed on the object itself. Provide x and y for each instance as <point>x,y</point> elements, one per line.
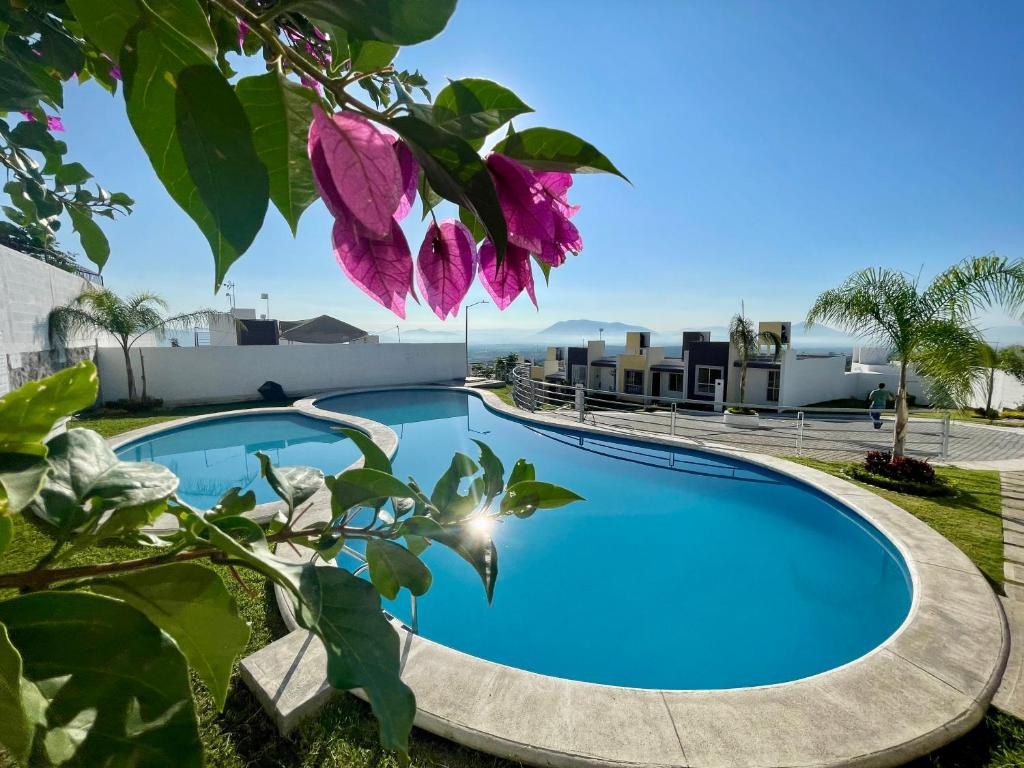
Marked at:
<point>878,400</point>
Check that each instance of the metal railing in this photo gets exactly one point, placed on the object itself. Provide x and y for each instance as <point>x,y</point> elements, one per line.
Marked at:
<point>777,429</point>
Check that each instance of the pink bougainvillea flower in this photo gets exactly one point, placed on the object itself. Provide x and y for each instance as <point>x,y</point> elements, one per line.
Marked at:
<point>410,176</point>
<point>28,115</point>
<point>243,30</point>
<point>382,267</point>
<point>54,123</point>
<point>115,72</point>
<point>445,266</point>
<point>310,83</point>
<point>361,167</point>
<point>504,283</point>
<point>525,204</point>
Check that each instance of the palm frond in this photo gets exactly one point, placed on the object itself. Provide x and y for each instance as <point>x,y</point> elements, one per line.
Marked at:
<point>952,359</point>
<point>977,284</point>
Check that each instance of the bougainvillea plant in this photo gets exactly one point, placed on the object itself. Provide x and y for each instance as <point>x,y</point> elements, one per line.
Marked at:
<point>226,146</point>
<point>95,658</point>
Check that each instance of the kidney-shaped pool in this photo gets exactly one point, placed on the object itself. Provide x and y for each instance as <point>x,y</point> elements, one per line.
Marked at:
<point>681,570</point>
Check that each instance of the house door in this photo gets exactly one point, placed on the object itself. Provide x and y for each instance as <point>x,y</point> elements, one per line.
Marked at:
<point>656,384</point>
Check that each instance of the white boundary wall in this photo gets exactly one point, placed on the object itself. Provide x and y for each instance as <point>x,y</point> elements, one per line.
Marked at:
<point>229,374</point>
<point>29,289</point>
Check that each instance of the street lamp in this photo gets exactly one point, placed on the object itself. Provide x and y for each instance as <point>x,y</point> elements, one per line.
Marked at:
<point>600,333</point>
<point>467,308</point>
<point>266,297</point>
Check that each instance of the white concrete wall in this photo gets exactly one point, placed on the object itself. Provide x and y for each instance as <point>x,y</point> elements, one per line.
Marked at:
<point>228,374</point>
<point>813,379</point>
<point>29,289</point>
<point>1007,392</point>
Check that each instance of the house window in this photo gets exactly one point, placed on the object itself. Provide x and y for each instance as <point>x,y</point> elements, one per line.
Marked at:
<point>773,386</point>
<point>634,382</point>
<point>707,375</point>
<point>675,382</point>
<point>579,374</point>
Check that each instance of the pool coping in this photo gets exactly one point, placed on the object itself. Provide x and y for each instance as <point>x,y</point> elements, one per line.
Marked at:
<point>929,683</point>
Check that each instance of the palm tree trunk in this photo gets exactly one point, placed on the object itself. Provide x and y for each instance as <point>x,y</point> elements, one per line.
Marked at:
<point>991,386</point>
<point>142,364</point>
<point>899,436</point>
<point>743,383</point>
<point>128,370</point>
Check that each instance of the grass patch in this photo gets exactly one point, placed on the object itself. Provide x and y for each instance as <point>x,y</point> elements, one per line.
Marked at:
<point>505,393</point>
<point>344,734</point>
<point>110,423</point>
<point>971,518</point>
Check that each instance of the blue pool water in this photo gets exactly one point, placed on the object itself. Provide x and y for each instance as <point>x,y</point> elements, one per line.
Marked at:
<point>681,570</point>
<point>211,457</point>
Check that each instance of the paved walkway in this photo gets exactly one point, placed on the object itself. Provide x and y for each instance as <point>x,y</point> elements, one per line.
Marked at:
<point>829,437</point>
<point>1010,696</point>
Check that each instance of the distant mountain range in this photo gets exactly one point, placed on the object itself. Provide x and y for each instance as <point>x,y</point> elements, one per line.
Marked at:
<point>422,334</point>
<point>589,328</point>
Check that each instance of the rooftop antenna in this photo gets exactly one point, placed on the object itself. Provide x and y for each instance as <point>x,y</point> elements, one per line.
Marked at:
<point>230,293</point>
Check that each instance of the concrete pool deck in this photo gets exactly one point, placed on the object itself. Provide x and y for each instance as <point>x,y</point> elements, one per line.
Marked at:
<point>929,683</point>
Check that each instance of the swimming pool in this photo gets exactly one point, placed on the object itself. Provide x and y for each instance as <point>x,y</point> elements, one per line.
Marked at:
<point>682,570</point>
<point>212,456</point>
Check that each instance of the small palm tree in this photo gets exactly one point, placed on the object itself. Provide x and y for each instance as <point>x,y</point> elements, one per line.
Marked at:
<point>930,328</point>
<point>100,310</point>
<point>747,342</point>
<point>990,359</point>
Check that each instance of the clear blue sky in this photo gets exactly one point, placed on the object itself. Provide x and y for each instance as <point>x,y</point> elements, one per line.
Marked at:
<point>774,148</point>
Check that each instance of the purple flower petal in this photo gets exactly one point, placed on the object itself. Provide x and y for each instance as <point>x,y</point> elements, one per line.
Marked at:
<point>54,124</point>
<point>410,176</point>
<point>322,176</point>
<point>524,203</point>
<point>362,166</point>
<point>445,266</point>
<point>555,183</point>
<point>115,72</point>
<point>382,268</point>
<point>506,282</point>
<point>28,115</point>
<point>243,30</point>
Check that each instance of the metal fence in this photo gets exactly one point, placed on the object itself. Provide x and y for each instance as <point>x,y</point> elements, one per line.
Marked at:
<point>827,433</point>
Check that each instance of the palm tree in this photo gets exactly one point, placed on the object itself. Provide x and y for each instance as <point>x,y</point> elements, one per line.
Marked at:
<point>990,359</point>
<point>747,342</point>
<point>930,328</point>
<point>100,310</point>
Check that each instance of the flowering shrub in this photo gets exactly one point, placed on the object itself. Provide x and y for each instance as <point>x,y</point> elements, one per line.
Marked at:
<point>901,468</point>
<point>295,134</point>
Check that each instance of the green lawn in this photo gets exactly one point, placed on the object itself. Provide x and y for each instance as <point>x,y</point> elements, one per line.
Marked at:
<point>344,734</point>
<point>110,423</point>
<point>971,519</point>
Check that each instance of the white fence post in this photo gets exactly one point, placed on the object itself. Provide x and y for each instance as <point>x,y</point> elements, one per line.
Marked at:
<point>672,423</point>
<point>800,433</point>
<point>580,400</point>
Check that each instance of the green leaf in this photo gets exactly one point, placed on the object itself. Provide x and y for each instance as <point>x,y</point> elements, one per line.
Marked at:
<point>473,108</point>
<point>392,566</point>
<point>362,647</point>
<point>356,487</point>
<point>429,199</point>
<point>94,242</point>
<point>494,470</point>
<point>476,548</point>
<point>109,25</point>
<point>446,490</point>
<point>279,112</point>
<point>368,55</point>
<point>338,43</point>
<point>17,90</point>
<point>205,157</point>
<point>16,732</point>
<point>455,172</point>
<point>293,485</point>
<point>473,224</point>
<point>84,470</point>
<point>27,417</point>
<point>548,149</point>
<point>404,22</point>
<point>112,660</point>
<point>29,413</point>
<point>234,503</point>
<point>72,173</point>
<point>521,470</point>
<point>373,456</point>
<point>527,496</point>
<point>191,604</point>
